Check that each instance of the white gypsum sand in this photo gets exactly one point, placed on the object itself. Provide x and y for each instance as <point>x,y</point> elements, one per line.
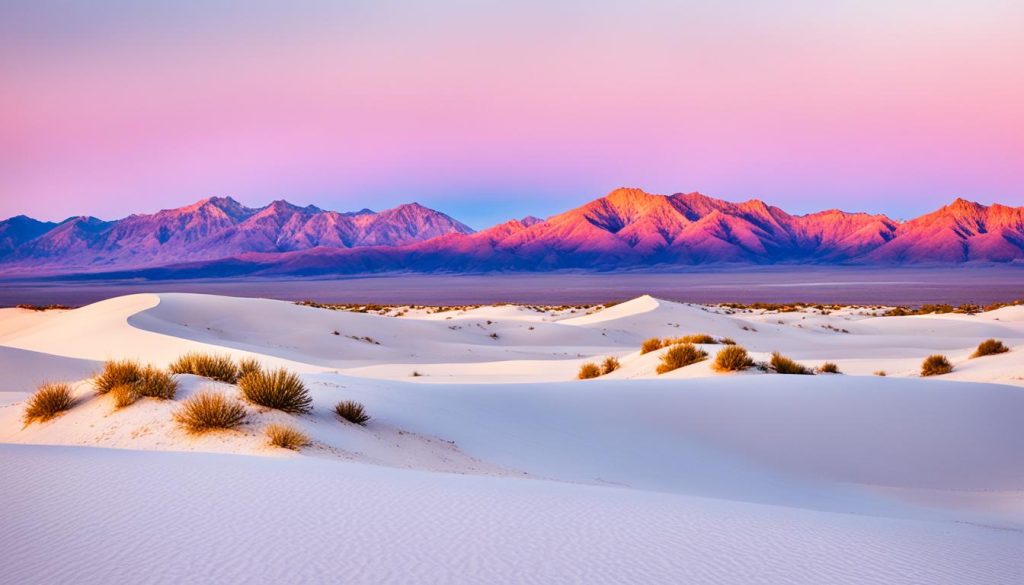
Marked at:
<point>494,464</point>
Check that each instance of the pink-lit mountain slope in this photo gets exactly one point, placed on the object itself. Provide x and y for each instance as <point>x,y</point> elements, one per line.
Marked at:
<point>627,228</point>
<point>215,228</point>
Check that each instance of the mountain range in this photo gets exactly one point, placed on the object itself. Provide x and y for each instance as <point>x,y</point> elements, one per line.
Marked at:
<point>628,228</point>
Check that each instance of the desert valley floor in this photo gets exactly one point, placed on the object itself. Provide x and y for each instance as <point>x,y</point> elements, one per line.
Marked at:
<point>487,461</point>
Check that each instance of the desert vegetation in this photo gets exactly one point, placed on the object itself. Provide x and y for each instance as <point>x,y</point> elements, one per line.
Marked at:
<point>117,373</point>
<point>124,395</point>
<point>278,389</point>
<point>48,401</point>
<point>588,370</point>
<point>652,344</point>
<point>989,347</point>
<point>609,365</point>
<point>936,365</point>
<point>209,411</point>
<point>680,355</point>
<point>286,437</point>
<point>829,368</point>
<point>783,365</point>
<point>208,365</point>
<point>154,382</point>
<point>880,373</point>
<point>248,365</point>
<point>732,358</point>
<point>352,411</point>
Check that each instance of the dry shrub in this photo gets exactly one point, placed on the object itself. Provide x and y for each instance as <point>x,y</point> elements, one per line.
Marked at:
<point>124,395</point>
<point>588,370</point>
<point>208,411</point>
<point>880,373</point>
<point>696,338</point>
<point>248,365</point>
<point>286,437</point>
<point>207,365</point>
<point>990,347</point>
<point>48,401</point>
<point>117,373</point>
<point>732,358</point>
<point>652,344</point>
<point>609,365</point>
<point>936,365</point>
<point>829,368</point>
<point>783,365</point>
<point>156,383</point>
<point>681,355</point>
<point>352,411</point>
<point>727,341</point>
<point>278,389</point>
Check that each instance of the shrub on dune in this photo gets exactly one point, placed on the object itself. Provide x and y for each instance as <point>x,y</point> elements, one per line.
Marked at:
<point>278,389</point>
<point>352,411</point>
<point>48,401</point>
<point>156,383</point>
<point>732,358</point>
<point>697,338</point>
<point>727,341</point>
<point>989,347</point>
<point>286,437</point>
<point>248,365</point>
<point>783,365</point>
<point>880,373</point>
<point>588,370</point>
<point>652,344</point>
<point>609,365</point>
<point>829,368</point>
<point>209,411</point>
<point>936,365</point>
<point>207,365</point>
<point>124,395</point>
<point>681,355</point>
<point>117,373</point>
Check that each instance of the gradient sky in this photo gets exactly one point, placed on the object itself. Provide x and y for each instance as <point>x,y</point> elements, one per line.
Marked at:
<point>489,110</point>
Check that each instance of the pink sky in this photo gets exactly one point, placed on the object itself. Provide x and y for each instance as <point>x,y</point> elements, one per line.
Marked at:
<point>487,110</point>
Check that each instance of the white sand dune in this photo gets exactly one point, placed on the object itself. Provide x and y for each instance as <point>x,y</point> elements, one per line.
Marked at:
<point>495,465</point>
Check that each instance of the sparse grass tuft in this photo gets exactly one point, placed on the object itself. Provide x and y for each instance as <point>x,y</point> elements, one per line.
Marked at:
<point>680,355</point>
<point>936,365</point>
<point>117,373</point>
<point>248,365</point>
<point>352,411</point>
<point>989,347</point>
<point>732,358</point>
<point>609,365</point>
<point>829,368</point>
<point>652,344</point>
<point>124,395</point>
<point>286,437</point>
<point>880,373</point>
<point>207,365</point>
<point>209,411</point>
<point>48,401</point>
<point>727,341</point>
<point>783,365</point>
<point>588,370</point>
<point>279,389</point>
<point>696,338</point>
<point>156,383</point>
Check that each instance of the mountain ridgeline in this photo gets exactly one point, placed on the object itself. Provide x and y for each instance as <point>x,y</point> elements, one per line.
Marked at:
<point>628,228</point>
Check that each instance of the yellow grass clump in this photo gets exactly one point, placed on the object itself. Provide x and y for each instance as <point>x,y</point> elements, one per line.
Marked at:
<point>609,365</point>
<point>352,411</point>
<point>117,373</point>
<point>209,411</point>
<point>48,401</point>
<point>829,368</point>
<point>936,365</point>
<point>652,344</point>
<point>732,358</point>
<point>207,365</point>
<point>278,389</point>
<point>124,395</point>
<point>286,437</point>
<point>783,365</point>
<point>989,347</point>
<point>588,370</point>
<point>680,355</point>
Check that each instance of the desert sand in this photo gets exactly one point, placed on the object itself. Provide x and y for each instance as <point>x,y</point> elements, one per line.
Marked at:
<point>487,461</point>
